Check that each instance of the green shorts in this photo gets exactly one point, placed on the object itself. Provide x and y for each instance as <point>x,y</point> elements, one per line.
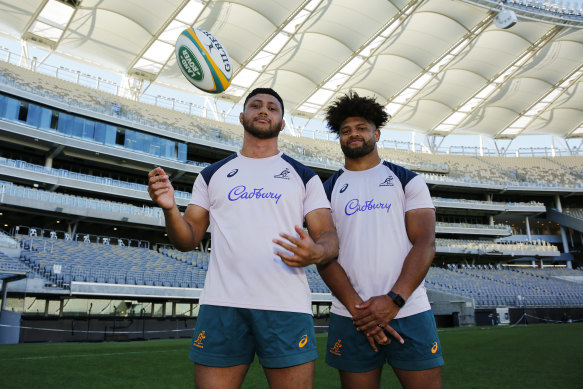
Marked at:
<point>227,336</point>
<point>349,350</point>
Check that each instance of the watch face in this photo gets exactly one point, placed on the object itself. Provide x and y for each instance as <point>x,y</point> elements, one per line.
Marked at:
<point>397,299</point>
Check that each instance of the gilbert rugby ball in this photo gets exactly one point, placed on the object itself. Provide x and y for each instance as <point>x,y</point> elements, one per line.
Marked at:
<point>203,60</point>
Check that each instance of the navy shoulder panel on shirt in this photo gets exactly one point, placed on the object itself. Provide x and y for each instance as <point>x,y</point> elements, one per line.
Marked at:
<point>404,175</point>
<point>330,182</point>
<point>208,171</point>
<point>303,171</point>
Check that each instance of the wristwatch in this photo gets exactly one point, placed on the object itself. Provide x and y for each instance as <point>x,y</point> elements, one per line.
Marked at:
<point>397,299</point>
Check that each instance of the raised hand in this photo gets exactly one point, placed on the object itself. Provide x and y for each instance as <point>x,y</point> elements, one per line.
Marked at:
<point>160,189</point>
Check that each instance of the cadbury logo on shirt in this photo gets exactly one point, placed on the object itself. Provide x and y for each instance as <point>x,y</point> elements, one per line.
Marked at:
<point>354,206</point>
<point>241,193</point>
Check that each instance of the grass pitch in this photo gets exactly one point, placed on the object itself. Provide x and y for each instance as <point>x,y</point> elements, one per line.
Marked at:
<point>534,356</point>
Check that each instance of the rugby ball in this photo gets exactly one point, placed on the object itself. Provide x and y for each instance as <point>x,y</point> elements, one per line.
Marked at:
<point>203,60</point>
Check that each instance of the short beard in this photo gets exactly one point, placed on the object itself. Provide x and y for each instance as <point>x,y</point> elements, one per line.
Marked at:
<point>358,152</point>
<point>272,132</point>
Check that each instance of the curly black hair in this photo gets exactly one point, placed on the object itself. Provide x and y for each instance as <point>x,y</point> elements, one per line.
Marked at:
<point>351,104</point>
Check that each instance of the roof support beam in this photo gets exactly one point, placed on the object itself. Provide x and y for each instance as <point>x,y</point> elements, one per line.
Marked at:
<point>238,88</point>
<point>436,67</point>
<point>385,31</point>
<point>502,151</point>
<point>537,108</point>
<point>433,144</point>
<point>48,15</point>
<point>464,110</point>
<point>134,72</point>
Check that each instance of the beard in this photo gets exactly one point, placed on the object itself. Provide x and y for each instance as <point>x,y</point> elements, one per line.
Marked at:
<point>357,152</point>
<point>271,132</point>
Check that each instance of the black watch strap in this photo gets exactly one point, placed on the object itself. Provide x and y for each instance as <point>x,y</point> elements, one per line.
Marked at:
<point>397,299</point>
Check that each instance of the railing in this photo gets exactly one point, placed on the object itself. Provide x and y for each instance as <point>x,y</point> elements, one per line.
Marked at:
<point>8,189</point>
<point>29,235</point>
<point>7,242</point>
<point>84,177</point>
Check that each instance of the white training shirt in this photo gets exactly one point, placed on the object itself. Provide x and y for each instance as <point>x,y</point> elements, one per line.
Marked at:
<point>250,201</point>
<point>369,208</point>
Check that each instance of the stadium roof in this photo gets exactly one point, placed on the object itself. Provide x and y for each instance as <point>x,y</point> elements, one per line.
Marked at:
<point>441,67</point>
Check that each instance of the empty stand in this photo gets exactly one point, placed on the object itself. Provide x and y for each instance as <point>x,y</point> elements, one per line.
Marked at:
<point>491,286</point>
<point>61,261</point>
<point>536,247</point>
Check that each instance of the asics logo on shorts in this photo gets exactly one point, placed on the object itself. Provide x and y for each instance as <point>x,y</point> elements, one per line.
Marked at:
<point>434,348</point>
<point>199,339</point>
<point>336,348</point>
<point>303,341</point>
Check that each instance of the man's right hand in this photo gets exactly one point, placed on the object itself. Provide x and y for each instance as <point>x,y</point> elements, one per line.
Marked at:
<point>160,189</point>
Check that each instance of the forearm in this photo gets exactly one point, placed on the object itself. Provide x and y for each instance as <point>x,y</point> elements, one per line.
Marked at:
<point>328,245</point>
<point>337,280</point>
<point>179,231</point>
<point>415,268</point>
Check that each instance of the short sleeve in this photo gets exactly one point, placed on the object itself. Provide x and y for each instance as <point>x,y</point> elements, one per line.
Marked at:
<point>315,196</point>
<point>417,194</point>
<point>200,193</point>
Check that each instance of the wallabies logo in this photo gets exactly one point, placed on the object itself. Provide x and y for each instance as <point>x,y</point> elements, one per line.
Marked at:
<point>336,348</point>
<point>199,340</point>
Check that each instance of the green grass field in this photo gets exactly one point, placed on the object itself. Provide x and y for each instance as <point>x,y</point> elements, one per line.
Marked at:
<point>534,356</point>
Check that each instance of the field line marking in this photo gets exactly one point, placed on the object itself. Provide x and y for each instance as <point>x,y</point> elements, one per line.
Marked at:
<point>86,355</point>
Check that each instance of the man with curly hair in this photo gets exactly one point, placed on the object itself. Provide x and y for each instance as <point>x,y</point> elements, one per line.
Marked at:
<point>385,220</point>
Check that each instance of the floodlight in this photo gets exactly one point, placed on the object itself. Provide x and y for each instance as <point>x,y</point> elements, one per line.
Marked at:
<point>505,19</point>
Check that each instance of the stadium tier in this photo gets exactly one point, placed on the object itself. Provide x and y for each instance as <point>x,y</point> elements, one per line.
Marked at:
<point>80,229</point>
<point>64,261</point>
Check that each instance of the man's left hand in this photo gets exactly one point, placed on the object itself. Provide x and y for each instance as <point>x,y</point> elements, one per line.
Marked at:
<point>374,316</point>
<point>301,249</point>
